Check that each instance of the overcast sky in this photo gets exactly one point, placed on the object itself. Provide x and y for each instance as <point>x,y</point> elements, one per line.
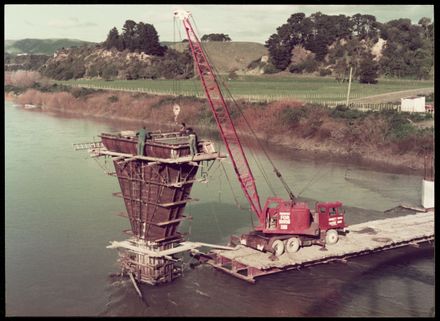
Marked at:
<point>241,22</point>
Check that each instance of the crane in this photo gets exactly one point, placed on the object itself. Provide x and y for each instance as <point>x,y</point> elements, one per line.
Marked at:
<point>283,225</point>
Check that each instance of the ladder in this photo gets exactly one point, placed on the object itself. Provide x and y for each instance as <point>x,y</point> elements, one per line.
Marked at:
<point>84,146</point>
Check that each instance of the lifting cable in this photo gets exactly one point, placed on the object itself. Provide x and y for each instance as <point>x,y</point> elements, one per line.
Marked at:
<point>237,203</point>
<point>174,42</point>
<point>103,167</point>
<point>259,165</point>
<point>313,180</point>
<point>277,172</point>
<point>216,220</point>
<point>263,172</point>
<point>235,198</point>
<point>275,169</point>
<point>176,83</point>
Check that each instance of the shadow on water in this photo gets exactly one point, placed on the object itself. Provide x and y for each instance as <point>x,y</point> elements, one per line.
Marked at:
<point>355,282</point>
<point>215,222</point>
<point>326,290</point>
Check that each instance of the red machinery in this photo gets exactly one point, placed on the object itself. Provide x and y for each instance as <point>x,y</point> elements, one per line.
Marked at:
<point>283,224</point>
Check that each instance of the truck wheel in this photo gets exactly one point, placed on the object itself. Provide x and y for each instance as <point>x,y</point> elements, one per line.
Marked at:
<point>278,247</point>
<point>292,245</point>
<point>331,237</point>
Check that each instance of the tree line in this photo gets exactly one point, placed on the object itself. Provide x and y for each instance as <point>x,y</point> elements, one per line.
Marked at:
<point>216,37</point>
<point>140,37</point>
<point>342,42</point>
<point>87,62</point>
<point>326,44</point>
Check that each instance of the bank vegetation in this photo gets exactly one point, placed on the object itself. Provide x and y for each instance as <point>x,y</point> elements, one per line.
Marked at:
<point>387,137</point>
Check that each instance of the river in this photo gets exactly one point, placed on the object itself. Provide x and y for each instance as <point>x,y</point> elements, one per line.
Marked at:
<point>60,216</point>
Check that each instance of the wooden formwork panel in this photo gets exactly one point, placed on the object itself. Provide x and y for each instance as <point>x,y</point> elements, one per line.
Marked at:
<point>153,148</point>
<point>149,200</point>
<point>151,270</point>
<point>154,193</point>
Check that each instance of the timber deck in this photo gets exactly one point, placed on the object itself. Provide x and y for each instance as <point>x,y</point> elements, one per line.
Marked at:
<point>102,151</point>
<point>365,238</point>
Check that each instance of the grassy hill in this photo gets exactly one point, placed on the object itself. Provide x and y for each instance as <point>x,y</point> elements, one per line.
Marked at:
<point>228,56</point>
<point>41,46</point>
<point>91,61</point>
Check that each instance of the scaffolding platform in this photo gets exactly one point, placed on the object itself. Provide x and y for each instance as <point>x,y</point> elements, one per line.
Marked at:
<point>246,263</point>
<point>156,177</point>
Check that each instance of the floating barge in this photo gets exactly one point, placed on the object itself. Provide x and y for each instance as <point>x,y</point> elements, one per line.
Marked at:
<point>246,263</point>
<point>155,186</point>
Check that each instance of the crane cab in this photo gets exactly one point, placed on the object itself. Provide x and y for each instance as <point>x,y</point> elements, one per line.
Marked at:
<point>330,215</point>
<point>288,217</point>
<point>289,225</point>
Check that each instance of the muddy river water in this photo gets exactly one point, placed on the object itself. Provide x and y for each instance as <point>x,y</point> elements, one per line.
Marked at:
<point>60,216</point>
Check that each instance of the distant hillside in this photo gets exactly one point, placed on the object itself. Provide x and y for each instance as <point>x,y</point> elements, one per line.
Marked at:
<point>41,46</point>
<point>229,56</point>
<point>98,62</point>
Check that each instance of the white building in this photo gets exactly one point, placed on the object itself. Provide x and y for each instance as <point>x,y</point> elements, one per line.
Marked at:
<point>413,104</point>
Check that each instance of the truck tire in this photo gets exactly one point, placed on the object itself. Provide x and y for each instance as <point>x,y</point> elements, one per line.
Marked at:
<point>278,247</point>
<point>331,237</point>
<point>293,244</point>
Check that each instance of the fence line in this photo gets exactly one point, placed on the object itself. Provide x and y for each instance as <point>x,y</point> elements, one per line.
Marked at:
<point>315,98</point>
<point>257,97</point>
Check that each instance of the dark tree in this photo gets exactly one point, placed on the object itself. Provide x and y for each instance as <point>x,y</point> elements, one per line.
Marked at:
<point>292,33</point>
<point>113,40</point>
<point>152,44</point>
<point>325,31</point>
<point>368,70</point>
<point>279,53</point>
<point>140,37</point>
<point>177,65</point>
<point>318,45</point>
<point>215,37</point>
<point>424,23</point>
<point>343,26</point>
<point>407,51</point>
<point>128,35</point>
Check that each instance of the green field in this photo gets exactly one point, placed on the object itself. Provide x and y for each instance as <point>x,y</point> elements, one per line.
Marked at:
<point>311,89</point>
<point>41,46</point>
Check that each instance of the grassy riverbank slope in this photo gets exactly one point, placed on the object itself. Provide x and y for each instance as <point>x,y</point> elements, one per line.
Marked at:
<point>385,138</point>
<point>275,87</point>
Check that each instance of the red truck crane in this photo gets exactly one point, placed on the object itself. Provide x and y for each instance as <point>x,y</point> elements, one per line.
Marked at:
<point>283,225</point>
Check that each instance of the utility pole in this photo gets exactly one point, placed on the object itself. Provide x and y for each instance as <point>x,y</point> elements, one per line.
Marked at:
<point>349,86</point>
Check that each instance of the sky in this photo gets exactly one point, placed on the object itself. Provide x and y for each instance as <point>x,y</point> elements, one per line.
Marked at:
<point>253,23</point>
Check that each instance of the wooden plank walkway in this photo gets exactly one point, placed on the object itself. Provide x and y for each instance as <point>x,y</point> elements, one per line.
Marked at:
<point>138,246</point>
<point>369,237</point>
<point>102,151</point>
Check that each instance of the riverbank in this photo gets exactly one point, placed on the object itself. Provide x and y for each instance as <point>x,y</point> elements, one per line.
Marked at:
<point>375,140</point>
